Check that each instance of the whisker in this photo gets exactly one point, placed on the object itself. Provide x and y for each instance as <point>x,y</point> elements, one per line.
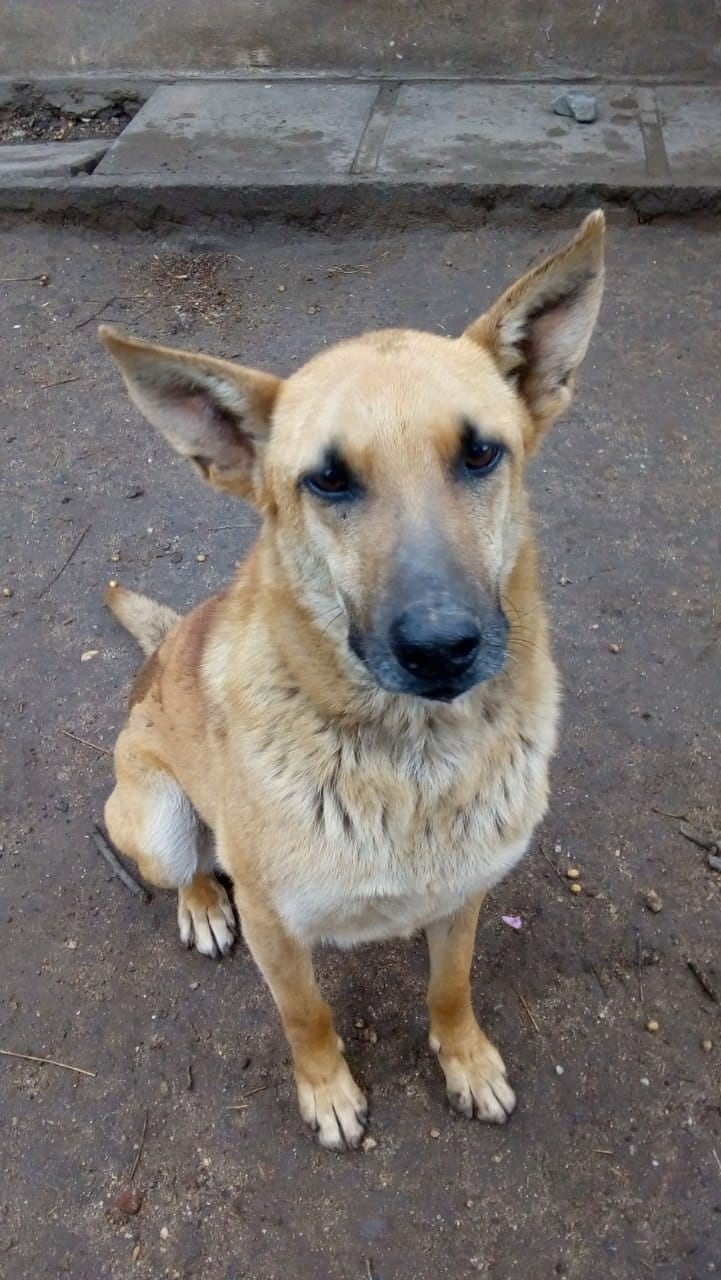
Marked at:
<point>335,617</point>
<point>527,613</point>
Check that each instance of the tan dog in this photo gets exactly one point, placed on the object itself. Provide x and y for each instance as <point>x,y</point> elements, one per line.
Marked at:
<point>358,730</point>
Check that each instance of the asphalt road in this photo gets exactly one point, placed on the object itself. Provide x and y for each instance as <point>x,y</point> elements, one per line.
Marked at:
<point>612,1164</point>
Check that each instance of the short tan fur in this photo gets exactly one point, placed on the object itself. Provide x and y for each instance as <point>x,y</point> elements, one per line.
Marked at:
<point>358,729</point>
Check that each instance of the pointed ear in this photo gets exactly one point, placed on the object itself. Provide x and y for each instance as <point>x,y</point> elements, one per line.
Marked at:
<point>539,330</point>
<point>213,412</point>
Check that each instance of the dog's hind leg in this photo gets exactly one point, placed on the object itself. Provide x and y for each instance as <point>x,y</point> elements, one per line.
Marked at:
<point>149,818</point>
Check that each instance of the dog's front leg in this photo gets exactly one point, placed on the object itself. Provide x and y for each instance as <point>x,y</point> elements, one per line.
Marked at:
<point>329,1098</point>
<point>474,1070</point>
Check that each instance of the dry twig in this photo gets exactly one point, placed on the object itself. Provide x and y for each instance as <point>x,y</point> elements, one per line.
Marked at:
<point>141,1144</point>
<point>49,1062</point>
<point>105,751</point>
<point>65,563</point>
<point>116,866</point>
<point>60,382</point>
<point>95,314</point>
<point>552,865</point>
<point>243,1106</point>
<point>665,814</point>
<point>703,981</point>
<point>712,844</point>
<point>599,980</point>
<point>42,277</point>
<point>530,1012</point>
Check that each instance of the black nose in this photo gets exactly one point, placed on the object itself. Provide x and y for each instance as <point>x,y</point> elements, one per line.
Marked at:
<point>433,643</point>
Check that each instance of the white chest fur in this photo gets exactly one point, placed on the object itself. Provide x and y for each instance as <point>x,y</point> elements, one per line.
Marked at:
<point>381,832</point>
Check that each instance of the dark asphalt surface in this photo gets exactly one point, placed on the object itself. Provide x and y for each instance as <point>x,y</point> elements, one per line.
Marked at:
<point>612,1165</point>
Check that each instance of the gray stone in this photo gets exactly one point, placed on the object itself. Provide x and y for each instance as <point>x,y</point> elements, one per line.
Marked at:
<point>504,134</point>
<point>49,159</point>
<point>562,106</point>
<point>195,130</point>
<point>580,106</point>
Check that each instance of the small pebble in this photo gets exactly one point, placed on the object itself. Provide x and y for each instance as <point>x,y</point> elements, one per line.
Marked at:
<point>652,1024</point>
<point>128,1201</point>
<point>576,887</point>
<point>281,288</point>
<point>580,106</point>
<point>113,582</point>
<point>653,902</point>
<point>115,556</point>
<point>645,1081</point>
<point>559,1069</point>
<point>615,648</point>
<point>435,1133</point>
<point>164,1233</point>
<point>707,1045</point>
<point>469,1204</point>
<point>557,848</point>
<point>373,1036</point>
<point>359,1023</point>
<point>573,873</point>
<point>369,1144</point>
<point>201,557</point>
<point>7,592</point>
<point>136,1252</point>
<point>89,653</point>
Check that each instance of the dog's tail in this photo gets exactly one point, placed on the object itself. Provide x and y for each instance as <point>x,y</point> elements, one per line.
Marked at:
<point>145,619</point>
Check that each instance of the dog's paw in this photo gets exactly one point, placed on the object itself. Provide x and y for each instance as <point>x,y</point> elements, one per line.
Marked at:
<point>205,917</point>
<point>334,1107</point>
<point>476,1080</point>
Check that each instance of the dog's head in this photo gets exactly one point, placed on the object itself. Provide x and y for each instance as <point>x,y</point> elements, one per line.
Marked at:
<point>389,469</point>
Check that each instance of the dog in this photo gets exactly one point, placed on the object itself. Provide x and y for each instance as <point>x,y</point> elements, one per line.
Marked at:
<point>358,730</point>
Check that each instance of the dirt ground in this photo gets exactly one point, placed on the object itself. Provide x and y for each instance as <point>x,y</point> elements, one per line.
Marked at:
<point>35,120</point>
<point>612,1164</point>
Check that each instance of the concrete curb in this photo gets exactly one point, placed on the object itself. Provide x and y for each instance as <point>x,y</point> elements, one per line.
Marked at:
<point>104,201</point>
<point>404,154</point>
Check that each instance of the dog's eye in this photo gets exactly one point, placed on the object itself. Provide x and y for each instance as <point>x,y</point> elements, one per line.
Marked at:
<point>334,481</point>
<point>480,458</point>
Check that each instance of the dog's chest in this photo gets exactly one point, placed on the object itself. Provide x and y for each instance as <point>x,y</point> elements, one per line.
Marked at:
<point>389,835</point>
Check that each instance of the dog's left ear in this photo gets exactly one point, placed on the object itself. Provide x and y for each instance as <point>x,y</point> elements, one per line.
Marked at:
<point>539,330</point>
<point>213,412</point>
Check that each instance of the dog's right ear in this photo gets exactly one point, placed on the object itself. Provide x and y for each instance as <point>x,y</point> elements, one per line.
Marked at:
<point>213,412</point>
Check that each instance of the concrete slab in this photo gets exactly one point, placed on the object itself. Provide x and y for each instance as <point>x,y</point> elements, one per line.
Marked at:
<point>508,133</point>
<point>205,130</point>
<point>49,159</point>
<point>691,122</point>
